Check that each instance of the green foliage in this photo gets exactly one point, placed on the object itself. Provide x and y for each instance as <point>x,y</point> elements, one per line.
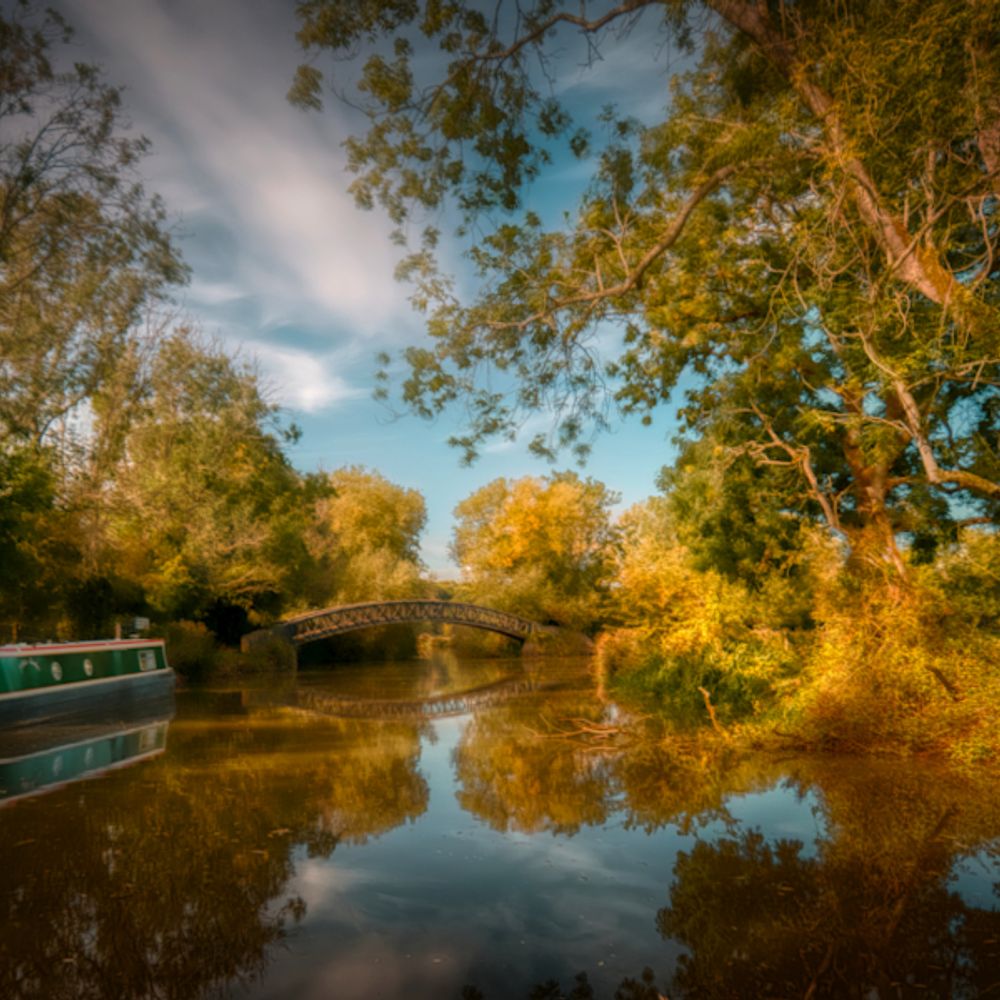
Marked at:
<point>366,534</point>
<point>85,252</point>
<point>27,516</point>
<point>828,657</point>
<point>204,487</point>
<point>692,630</point>
<point>192,650</point>
<point>806,241</point>
<point>142,469</point>
<point>908,669</point>
<point>730,514</point>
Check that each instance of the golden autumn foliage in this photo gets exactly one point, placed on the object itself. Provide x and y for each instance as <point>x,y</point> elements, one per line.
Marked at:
<point>812,651</point>
<point>538,546</point>
<point>909,669</point>
<point>366,533</point>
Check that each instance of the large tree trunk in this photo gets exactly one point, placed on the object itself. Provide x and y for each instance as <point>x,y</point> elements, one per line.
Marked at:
<point>873,538</point>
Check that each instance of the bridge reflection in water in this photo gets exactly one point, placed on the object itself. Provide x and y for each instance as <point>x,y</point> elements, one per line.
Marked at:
<point>433,707</point>
<point>349,617</point>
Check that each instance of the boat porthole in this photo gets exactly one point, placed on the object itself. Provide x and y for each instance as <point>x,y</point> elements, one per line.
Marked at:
<point>56,672</point>
<point>88,668</point>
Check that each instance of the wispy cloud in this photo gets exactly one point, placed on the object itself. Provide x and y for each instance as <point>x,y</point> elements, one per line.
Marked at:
<point>304,380</point>
<point>260,187</point>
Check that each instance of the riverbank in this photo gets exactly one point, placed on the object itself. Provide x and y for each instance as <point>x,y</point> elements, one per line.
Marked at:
<point>871,690</point>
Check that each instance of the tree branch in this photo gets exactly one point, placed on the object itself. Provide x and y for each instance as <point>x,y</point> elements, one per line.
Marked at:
<point>914,423</point>
<point>921,268</point>
<point>634,277</point>
<point>584,24</point>
<point>801,456</point>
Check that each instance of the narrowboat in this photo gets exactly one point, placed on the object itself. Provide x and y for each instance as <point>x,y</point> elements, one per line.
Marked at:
<point>51,682</point>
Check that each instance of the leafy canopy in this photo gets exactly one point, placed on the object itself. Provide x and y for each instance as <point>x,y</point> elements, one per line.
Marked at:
<point>85,253</point>
<point>541,547</point>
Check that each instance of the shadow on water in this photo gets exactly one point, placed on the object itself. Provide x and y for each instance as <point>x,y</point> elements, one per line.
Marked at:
<point>277,850</point>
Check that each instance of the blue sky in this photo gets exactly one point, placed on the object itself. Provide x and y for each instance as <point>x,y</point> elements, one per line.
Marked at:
<point>287,270</point>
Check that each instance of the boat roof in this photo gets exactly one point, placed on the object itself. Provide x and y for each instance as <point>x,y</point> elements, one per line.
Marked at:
<point>90,646</point>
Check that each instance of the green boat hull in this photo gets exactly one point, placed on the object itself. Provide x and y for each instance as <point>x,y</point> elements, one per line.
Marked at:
<point>59,681</point>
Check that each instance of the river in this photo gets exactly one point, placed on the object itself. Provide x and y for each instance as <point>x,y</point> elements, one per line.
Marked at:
<point>466,829</point>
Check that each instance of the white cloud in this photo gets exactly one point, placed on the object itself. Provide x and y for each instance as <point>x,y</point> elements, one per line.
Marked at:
<point>435,553</point>
<point>304,380</point>
<point>207,82</point>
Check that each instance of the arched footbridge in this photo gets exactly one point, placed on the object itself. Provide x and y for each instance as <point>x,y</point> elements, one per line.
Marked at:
<point>350,617</point>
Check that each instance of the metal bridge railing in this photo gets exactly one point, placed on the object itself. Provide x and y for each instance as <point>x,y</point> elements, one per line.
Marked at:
<point>348,617</point>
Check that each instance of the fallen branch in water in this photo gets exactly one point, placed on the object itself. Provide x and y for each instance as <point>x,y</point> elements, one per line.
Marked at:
<point>578,729</point>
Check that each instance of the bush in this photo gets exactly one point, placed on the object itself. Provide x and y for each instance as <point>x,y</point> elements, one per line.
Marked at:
<point>191,650</point>
<point>269,654</point>
<point>842,660</point>
<point>909,668</point>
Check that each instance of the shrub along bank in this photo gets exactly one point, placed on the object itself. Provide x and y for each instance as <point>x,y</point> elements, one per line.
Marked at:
<point>816,654</point>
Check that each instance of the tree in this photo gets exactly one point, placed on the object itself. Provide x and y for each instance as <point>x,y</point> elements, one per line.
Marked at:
<point>367,532</point>
<point>691,631</point>
<point>205,507</point>
<point>85,260</point>
<point>368,511</point>
<point>538,546</point>
<point>37,551</point>
<point>84,252</point>
<point>730,512</point>
<point>810,232</point>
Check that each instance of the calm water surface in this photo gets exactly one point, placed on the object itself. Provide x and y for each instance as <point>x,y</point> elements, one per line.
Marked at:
<point>429,830</point>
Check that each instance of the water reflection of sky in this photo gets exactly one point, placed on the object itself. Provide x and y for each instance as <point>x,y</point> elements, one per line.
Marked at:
<point>782,811</point>
<point>976,880</point>
<point>447,899</point>
<point>447,894</point>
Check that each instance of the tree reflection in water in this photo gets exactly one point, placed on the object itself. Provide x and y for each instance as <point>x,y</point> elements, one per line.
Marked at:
<point>519,781</point>
<point>174,886</point>
<point>868,910</point>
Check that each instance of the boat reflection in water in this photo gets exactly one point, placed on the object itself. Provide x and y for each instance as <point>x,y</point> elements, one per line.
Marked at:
<point>41,762</point>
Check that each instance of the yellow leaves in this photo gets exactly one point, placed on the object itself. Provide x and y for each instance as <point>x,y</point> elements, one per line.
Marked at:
<point>368,511</point>
<point>537,545</point>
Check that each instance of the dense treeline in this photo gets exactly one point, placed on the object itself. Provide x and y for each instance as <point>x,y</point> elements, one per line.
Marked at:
<point>143,471</point>
<point>716,611</point>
